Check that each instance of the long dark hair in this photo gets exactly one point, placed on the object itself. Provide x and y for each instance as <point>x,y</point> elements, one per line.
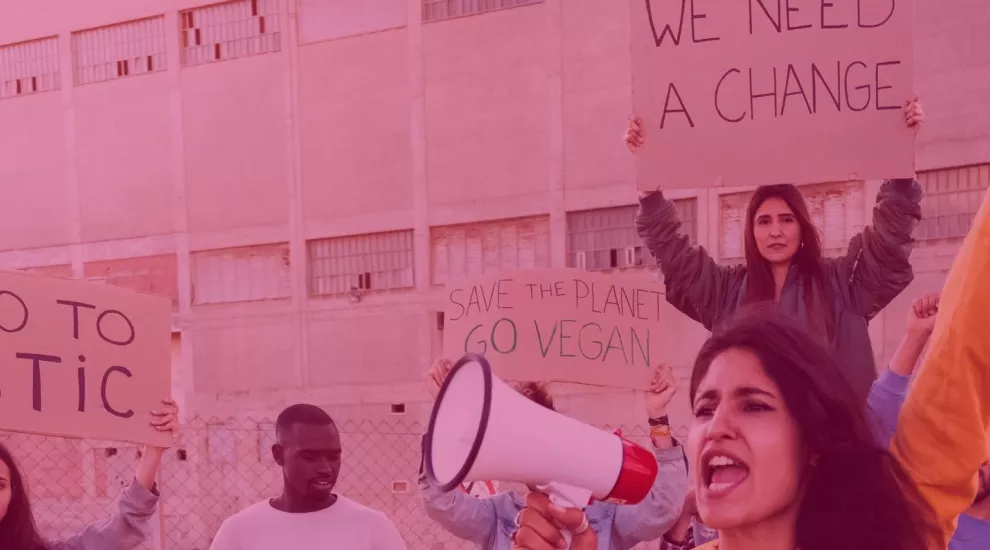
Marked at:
<point>809,260</point>
<point>857,496</point>
<point>17,529</point>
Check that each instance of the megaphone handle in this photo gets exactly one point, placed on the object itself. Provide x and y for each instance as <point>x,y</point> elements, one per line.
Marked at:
<point>559,499</point>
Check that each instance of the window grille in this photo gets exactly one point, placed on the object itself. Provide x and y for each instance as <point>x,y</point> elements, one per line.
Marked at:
<point>118,51</point>
<point>606,238</point>
<point>230,30</point>
<point>438,10</point>
<point>29,67</point>
<point>241,274</point>
<point>951,201</point>
<point>469,250</point>
<point>379,261</point>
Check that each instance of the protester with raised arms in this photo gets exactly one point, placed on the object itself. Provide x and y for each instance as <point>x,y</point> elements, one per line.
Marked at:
<point>786,458</point>
<point>491,522</point>
<point>127,528</point>
<point>784,266</point>
<point>308,515</point>
<point>885,402</point>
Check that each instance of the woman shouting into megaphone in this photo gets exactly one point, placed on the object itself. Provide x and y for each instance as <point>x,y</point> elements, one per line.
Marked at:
<point>492,522</point>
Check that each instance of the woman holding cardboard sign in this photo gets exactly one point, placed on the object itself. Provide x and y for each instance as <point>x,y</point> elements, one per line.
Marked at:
<point>127,528</point>
<point>834,298</point>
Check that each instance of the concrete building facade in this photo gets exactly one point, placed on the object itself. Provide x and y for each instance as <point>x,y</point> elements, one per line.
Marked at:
<point>301,177</point>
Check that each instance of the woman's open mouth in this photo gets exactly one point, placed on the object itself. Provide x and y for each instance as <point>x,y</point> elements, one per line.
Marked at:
<point>722,473</point>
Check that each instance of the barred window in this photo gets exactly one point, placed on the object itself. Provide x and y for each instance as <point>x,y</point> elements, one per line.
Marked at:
<point>118,51</point>
<point>230,30</point>
<point>379,261</point>
<point>464,251</point>
<point>606,238</point>
<point>438,10</point>
<point>952,198</point>
<point>241,274</point>
<point>29,67</point>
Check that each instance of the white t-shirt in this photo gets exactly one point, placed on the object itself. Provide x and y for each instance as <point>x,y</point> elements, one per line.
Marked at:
<point>346,524</point>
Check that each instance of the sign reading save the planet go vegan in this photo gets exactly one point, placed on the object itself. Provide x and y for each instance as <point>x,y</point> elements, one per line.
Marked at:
<point>750,92</point>
<point>81,359</point>
<point>565,325</point>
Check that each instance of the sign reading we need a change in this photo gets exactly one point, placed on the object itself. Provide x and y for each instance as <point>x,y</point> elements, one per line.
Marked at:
<point>558,325</point>
<point>82,360</point>
<point>751,92</point>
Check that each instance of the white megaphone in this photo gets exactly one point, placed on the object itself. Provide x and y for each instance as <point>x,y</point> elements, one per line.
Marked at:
<point>482,429</point>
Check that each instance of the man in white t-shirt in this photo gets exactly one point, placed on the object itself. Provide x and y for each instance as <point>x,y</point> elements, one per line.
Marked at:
<point>308,515</point>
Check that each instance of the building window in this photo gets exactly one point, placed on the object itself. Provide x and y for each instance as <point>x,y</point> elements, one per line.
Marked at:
<point>379,261</point>
<point>241,274</point>
<point>951,201</point>
<point>230,30</point>
<point>151,274</point>
<point>438,10</point>
<point>29,67</point>
<point>118,51</point>
<point>464,251</point>
<point>606,238</point>
<point>836,209</point>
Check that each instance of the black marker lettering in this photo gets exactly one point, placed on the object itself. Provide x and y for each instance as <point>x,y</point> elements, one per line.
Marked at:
<point>791,10</point>
<point>24,315</point>
<point>774,22</point>
<point>826,4</point>
<point>667,109</point>
<point>800,92</point>
<point>75,314</point>
<point>859,15</point>
<point>456,303</point>
<point>817,75</point>
<point>103,392</point>
<point>879,87</point>
<point>867,86</point>
<point>666,30</point>
<point>754,96</point>
<point>694,32</point>
<point>515,335</point>
<point>81,379</point>
<point>99,328</point>
<point>717,89</point>
<point>36,374</point>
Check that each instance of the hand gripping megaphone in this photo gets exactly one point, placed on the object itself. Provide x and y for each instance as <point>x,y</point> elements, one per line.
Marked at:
<point>481,428</point>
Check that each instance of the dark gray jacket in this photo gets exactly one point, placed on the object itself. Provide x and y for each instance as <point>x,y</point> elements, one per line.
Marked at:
<point>874,270</point>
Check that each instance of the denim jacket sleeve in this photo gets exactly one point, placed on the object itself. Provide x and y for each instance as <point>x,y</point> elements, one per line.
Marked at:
<point>654,516</point>
<point>459,513</point>
<point>124,530</point>
<point>884,405</point>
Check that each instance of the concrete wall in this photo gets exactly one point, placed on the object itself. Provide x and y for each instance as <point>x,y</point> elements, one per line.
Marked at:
<point>214,181</point>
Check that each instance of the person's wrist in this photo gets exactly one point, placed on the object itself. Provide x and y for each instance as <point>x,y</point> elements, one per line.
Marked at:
<point>658,417</point>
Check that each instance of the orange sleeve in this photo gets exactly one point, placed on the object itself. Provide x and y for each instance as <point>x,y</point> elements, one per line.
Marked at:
<point>941,434</point>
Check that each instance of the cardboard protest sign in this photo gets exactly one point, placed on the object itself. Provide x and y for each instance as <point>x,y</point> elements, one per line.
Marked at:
<point>81,359</point>
<point>565,325</point>
<point>751,92</point>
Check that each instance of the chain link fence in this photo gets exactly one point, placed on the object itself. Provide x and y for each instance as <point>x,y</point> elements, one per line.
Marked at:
<point>221,466</point>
